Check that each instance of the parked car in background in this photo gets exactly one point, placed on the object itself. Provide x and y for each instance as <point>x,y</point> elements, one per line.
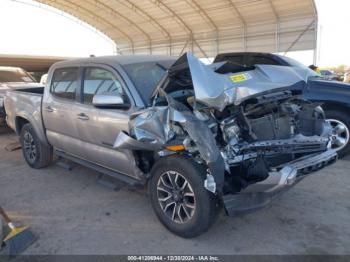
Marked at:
<point>199,135</point>
<point>333,95</point>
<point>329,75</point>
<point>346,77</point>
<point>12,78</point>
<point>43,79</point>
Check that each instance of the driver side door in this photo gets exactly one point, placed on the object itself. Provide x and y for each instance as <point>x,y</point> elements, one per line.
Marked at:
<point>99,127</point>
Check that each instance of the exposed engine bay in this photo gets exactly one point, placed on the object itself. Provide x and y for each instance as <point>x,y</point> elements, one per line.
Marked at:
<point>242,123</point>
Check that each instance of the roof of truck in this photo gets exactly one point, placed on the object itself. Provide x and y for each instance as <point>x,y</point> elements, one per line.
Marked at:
<point>117,59</point>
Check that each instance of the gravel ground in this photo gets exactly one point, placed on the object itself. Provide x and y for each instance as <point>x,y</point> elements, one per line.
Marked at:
<point>73,214</point>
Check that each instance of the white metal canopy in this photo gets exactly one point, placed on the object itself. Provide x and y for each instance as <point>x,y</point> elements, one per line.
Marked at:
<point>205,27</point>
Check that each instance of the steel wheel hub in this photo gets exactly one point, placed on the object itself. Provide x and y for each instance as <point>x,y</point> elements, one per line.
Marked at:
<point>340,134</point>
<point>176,197</point>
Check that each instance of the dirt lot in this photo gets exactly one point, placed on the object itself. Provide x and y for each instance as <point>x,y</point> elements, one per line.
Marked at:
<point>72,214</point>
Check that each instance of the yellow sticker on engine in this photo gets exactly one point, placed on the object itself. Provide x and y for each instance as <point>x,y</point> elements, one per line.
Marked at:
<point>239,78</point>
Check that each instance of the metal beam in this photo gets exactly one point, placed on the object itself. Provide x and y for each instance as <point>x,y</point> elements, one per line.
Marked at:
<point>182,22</point>
<point>178,18</point>
<point>205,14</point>
<point>154,21</point>
<point>277,18</point>
<point>243,21</point>
<point>316,50</point>
<point>115,12</point>
<point>203,52</point>
<point>182,50</point>
<point>300,36</point>
<point>274,11</point>
<point>93,16</point>
<point>211,22</point>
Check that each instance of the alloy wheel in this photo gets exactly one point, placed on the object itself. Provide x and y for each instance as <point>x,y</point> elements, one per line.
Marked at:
<point>340,134</point>
<point>29,147</point>
<point>176,197</point>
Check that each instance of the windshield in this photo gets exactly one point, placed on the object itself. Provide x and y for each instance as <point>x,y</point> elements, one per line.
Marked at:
<point>11,75</point>
<point>145,76</point>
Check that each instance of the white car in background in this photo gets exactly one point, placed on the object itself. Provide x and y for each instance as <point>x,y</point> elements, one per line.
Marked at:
<point>43,79</point>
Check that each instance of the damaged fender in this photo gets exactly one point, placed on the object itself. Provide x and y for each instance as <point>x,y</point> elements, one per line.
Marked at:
<point>150,130</point>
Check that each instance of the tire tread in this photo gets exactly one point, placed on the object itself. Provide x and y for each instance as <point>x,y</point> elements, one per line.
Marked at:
<point>44,149</point>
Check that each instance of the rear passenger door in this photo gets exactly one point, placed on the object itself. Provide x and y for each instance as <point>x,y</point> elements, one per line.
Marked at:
<point>59,110</point>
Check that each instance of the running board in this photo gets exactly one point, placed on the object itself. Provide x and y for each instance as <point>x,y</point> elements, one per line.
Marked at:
<point>124,178</point>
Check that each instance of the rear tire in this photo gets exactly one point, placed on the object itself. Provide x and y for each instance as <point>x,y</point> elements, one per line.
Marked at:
<point>342,120</point>
<point>36,153</point>
<point>180,180</point>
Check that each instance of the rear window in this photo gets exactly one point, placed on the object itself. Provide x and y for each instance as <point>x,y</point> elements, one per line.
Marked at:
<point>262,60</point>
<point>65,82</point>
<point>237,59</point>
<point>15,75</point>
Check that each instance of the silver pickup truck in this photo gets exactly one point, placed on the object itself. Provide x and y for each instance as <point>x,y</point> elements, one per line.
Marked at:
<point>201,136</point>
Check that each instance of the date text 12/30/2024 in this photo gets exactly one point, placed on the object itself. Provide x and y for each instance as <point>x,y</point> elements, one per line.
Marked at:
<point>174,258</point>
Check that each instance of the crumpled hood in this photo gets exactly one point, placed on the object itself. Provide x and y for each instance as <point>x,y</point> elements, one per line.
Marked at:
<point>217,90</point>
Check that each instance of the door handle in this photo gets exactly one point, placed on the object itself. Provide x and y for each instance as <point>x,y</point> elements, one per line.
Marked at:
<point>49,109</point>
<point>82,116</point>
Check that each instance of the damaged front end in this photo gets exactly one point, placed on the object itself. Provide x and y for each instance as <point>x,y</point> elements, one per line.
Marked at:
<point>248,126</point>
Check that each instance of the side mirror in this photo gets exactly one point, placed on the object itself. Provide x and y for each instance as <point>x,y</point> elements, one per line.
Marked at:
<point>109,101</point>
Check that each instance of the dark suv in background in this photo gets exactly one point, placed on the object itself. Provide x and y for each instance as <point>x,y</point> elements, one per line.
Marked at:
<point>333,95</point>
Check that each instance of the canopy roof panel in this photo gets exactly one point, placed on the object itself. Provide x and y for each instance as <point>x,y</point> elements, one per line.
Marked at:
<point>205,27</point>
<point>30,63</point>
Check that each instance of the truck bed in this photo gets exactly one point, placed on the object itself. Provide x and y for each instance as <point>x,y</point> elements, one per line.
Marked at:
<point>24,105</point>
<point>33,90</point>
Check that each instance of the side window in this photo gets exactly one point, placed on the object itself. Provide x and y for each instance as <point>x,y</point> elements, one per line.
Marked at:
<point>65,82</point>
<point>100,81</point>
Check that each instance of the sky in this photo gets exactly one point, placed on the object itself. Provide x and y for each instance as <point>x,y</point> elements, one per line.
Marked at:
<point>29,30</point>
<point>333,34</point>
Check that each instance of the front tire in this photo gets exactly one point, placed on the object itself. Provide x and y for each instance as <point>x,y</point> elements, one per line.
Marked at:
<point>340,123</point>
<point>178,196</point>
<point>36,153</point>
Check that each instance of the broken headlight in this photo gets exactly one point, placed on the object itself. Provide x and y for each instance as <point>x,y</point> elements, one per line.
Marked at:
<point>231,130</point>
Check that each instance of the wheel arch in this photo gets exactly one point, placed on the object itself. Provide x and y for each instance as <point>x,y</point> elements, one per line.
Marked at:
<point>334,106</point>
<point>20,121</point>
<point>23,118</point>
<point>146,160</point>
